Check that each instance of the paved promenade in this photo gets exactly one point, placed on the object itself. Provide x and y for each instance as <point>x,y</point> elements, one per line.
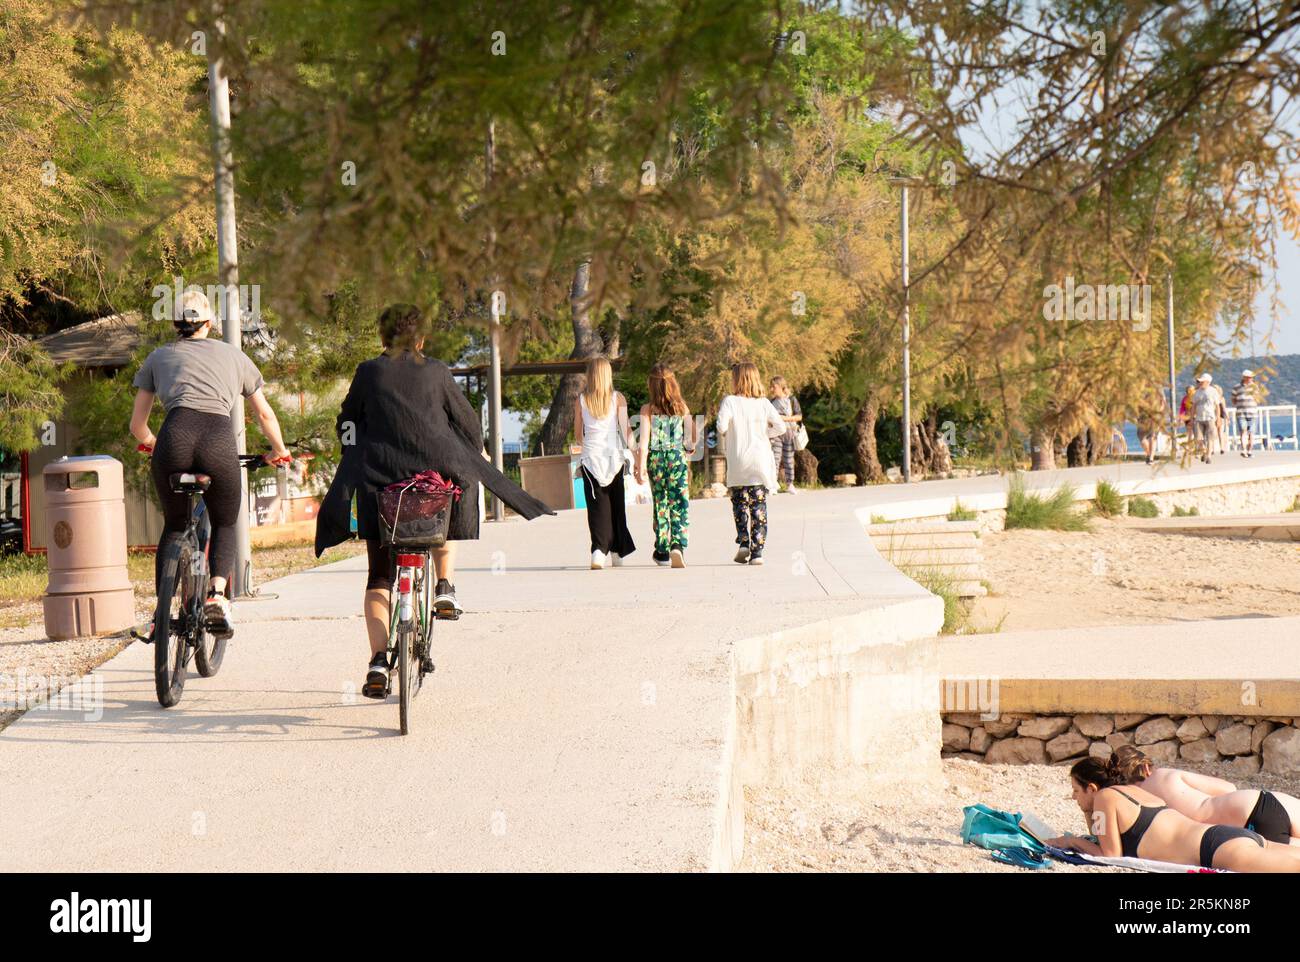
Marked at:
<point>578,719</point>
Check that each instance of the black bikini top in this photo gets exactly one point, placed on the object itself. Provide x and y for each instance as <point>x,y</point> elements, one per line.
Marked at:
<point>1131,839</point>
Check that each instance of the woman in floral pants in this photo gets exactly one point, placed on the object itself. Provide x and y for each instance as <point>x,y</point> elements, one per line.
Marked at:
<point>748,422</point>
<point>667,436</point>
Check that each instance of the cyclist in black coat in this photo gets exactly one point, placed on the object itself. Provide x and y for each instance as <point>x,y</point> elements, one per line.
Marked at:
<point>404,414</point>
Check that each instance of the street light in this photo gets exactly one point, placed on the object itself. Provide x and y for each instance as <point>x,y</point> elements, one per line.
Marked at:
<point>906,182</point>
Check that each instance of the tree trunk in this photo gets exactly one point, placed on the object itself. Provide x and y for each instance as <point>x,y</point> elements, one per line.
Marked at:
<point>1043,453</point>
<point>1076,450</point>
<point>866,463</point>
<point>586,343</point>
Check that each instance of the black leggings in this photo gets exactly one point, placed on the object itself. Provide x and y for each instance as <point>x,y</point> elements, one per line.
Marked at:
<point>204,443</point>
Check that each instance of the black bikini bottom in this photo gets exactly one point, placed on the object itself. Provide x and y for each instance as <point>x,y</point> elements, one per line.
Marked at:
<point>1216,835</point>
<point>1270,819</point>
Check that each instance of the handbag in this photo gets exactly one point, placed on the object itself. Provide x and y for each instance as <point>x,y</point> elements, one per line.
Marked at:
<point>801,438</point>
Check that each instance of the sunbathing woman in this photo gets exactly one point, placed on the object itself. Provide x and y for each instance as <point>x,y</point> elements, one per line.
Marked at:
<point>1211,800</point>
<point>1132,822</point>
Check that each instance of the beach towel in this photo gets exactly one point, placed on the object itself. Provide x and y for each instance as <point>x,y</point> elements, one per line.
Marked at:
<point>1121,861</point>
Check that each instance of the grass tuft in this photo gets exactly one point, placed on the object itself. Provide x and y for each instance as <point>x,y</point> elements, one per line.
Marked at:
<point>1107,500</point>
<point>1143,508</point>
<point>960,513</point>
<point>1054,512</point>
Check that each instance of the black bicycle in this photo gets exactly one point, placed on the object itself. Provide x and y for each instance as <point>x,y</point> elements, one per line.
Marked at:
<point>180,630</point>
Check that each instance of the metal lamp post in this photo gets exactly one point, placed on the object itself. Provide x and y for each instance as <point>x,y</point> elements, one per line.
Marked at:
<point>905,183</point>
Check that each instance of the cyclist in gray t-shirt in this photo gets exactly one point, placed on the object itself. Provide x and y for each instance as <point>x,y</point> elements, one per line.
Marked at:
<point>198,379</point>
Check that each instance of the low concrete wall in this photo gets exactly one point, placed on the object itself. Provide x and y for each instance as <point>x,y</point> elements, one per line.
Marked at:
<point>1264,489</point>
<point>859,691</point>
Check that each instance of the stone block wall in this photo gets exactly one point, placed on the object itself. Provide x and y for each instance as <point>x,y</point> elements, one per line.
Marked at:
<point>1244,744</point>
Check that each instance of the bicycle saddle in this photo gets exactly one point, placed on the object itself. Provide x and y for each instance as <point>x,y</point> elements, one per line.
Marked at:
<point>188,483</point>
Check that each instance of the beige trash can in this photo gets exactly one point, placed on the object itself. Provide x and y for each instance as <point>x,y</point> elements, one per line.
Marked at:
<point>85,526</point>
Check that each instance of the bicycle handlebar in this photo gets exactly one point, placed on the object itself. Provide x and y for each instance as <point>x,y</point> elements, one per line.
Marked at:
<point>250,462</point>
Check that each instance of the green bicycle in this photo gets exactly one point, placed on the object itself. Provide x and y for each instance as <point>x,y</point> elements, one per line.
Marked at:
<point>410,628</point>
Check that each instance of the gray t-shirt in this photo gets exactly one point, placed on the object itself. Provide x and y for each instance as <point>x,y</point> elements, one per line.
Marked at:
<point>199,374</point>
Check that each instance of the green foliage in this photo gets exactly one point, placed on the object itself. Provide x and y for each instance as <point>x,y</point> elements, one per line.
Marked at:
<point>1139,507</point>
<point>1107,500</point>
<point>1181,512</point>
<point>960,513</point>
<point>1055,512</point>
<point>28,393</point>
<point>956,614</point>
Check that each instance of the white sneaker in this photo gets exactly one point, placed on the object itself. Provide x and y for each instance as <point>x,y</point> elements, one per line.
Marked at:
<point>216,614</point>
<point>791,489</point>
<point>597,560</point>
<point>742,556</point>
<point>616,559</point>
<point>677,557</point>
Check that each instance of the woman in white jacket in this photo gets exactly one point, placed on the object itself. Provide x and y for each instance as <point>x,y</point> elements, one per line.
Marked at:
<point>748,423</point>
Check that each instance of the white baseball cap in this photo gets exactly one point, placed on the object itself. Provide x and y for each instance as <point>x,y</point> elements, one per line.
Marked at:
<point>1247,373</point>
<point>1205,377</point>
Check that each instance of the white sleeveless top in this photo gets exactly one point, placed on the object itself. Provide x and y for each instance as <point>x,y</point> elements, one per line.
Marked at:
<point>602,448</point>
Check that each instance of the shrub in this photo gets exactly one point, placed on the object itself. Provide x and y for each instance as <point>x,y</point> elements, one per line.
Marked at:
<point>1181,512</point>
<point>1107,500</point>
<point>1055,512</point>
<point>1143,508</point>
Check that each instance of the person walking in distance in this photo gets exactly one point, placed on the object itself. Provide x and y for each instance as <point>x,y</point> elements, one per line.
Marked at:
<point>787,405</point>
<point>601,429</point>
<point>1220,421</point>
<point>1205,409</point>
<point>1244,400</point>
<point>1185,411</point>
<point>667,437</point>
<point>748,423</point>
<point>1150,418</point>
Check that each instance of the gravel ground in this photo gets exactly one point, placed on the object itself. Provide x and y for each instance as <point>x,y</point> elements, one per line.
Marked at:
<point>26,654</point>
<point>832,825</point>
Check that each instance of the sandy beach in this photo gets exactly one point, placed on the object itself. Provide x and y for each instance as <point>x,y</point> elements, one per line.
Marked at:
<point>1114,575</point>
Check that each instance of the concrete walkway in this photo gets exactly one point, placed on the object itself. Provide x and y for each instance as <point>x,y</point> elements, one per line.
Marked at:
<point>578,719</point>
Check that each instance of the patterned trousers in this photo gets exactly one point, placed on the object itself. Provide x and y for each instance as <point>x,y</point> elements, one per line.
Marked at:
<point>783,453</point>
<point>668,490</point>
<point>749,508</point>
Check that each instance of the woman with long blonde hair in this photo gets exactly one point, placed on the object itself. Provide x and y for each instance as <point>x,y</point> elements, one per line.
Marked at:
<point>600,427</point>
<point>748,423</point>
<point>668,436</point>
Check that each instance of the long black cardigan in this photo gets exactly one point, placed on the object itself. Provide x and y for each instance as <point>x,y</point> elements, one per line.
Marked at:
<point>405,414</point>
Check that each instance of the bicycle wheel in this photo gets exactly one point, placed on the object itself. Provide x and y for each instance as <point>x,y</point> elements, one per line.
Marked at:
<point>208,649</point>
<point>408,667</point>
<point>171,623</point>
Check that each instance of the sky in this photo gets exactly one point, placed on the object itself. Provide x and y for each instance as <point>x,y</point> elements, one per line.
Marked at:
<point>1286,335</point>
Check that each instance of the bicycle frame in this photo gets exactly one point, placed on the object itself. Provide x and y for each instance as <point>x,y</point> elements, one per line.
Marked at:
<point>403,605</point>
